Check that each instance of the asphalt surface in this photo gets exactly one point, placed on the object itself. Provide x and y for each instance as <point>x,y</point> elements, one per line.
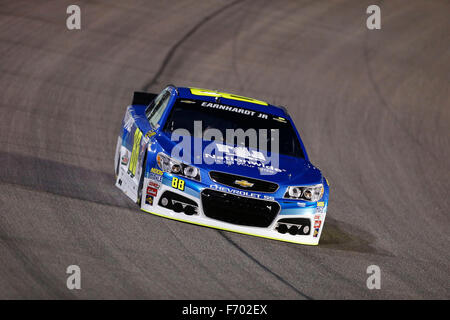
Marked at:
<point>373,109</point>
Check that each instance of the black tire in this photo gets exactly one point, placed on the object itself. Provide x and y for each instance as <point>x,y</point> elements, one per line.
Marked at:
<point>141,180</point>
<point>117,167</point>
<point>116,173</point>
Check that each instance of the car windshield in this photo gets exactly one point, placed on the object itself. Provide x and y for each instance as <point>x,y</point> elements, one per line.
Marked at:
<point>218,116</point>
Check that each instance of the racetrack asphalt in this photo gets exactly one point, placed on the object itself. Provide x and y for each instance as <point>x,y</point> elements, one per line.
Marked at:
<point>372,107</point>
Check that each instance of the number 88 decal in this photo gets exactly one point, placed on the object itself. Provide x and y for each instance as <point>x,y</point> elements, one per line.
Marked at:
<point>178,184</point>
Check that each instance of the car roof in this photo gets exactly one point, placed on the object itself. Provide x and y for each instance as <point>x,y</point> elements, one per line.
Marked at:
<point>229,99</point>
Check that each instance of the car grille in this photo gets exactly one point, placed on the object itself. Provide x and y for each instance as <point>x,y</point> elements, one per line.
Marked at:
<point>230,180</point>
<point>238,210</point>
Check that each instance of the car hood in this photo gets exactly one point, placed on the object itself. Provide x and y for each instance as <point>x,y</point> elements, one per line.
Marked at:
<point>289,170</point>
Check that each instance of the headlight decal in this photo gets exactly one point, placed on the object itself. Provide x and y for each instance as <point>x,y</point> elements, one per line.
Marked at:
<point>309,193</point>
<point>170,165</point>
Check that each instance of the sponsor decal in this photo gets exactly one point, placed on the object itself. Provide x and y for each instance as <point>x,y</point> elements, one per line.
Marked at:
<point>320,204</point>
<point>125,159</point>
<point>232,109</point>
<point>154,184</point>
<point>178,183</point>
<point>242,156</point>
<point>241,192</point>
<point>301,204</point>
<point>244,183</point>
<point>241,152</point>
<point>156,177</point>
<point>150,134</point>
<point>149,199</point>
<point>244,162</point>
<point>317,224</point>
<point>316,233</point>
<point>156,171</point>
<point>320,209</point>
<point>152,191</point>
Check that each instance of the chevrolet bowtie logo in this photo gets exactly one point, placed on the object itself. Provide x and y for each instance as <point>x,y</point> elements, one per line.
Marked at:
<point>244,183</point>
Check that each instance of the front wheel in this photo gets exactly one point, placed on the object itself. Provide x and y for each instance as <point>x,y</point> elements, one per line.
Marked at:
<point>141,180</point>
<point>117,156</point>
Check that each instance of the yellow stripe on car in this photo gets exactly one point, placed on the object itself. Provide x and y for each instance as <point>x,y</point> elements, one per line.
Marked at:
<point>214,93</point>
<point>241,232</point>
<point>135,151</point>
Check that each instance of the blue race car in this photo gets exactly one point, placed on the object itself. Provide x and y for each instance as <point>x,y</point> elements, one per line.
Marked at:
<point>220,160</point>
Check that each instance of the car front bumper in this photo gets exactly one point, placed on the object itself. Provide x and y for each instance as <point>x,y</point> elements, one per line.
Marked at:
<point>302,225</point>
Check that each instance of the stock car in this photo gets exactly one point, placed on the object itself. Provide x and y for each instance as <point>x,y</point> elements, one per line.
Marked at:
<point>173,160</point>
